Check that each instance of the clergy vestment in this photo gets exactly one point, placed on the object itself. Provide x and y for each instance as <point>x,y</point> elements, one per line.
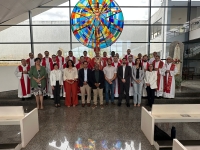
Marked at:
<point>160,77</point>
<point>24,87</point>
<point>74,59</point>
<point>146,67</point>
<point>169,80</point>
<point>48,64</point>
<point>126,56</point>
<point>131,64</point>
<point>116,92</point>
<point>30,62</point>
<point>60,61</point>
<point>97,60</point>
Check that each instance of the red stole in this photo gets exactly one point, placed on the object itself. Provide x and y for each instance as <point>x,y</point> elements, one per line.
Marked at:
<point>79,66</point>
<point>58,60</point>
<point>158,73</point>
<point>132,63</point>
<point>22,82</point>
<point>88,59</point>
<point>28,61</point>
<point>98,61</point>
<point>73,59</point>
<point>167,84</point>
<point>118,65</point>
<point>104,61</point>
<point>147,66</point>
<point>50,62</point>
<point>65,66</point>
<point>126,56</point>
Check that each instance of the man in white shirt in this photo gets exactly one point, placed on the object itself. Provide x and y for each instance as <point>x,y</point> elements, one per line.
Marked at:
<point>110,73</point>
<point>152,59</point>
<point>169,78</point>
<point>30,61</point>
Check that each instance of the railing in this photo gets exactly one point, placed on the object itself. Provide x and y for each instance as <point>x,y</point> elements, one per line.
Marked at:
<point>193,51</point>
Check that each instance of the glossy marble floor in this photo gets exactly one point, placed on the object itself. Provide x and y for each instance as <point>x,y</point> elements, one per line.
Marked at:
<point>113,128</point>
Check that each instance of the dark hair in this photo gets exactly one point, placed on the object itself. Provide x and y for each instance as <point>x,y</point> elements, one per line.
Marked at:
<point>84,51</point>
<point>149,66</point>
<point>81,57</point>
<point>55,65</point>
<point>46,51</point>
<point>85,61</point>
<point>69,51</point>
<point>124,58</point>
<point>71,62</point>
<point>140,64</point>
<point>53,55</point>
<point>36,59</point>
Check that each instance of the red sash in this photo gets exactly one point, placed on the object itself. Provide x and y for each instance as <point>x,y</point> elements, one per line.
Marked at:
<point>118,65</point>
<point>167,85</point>
<point>126,56</point>
<point>22,82</point>
<point>58,60</point>
<point>65,66</point>
<point>93,63</point>
<point>132,63</point>
<point>50,62</point>
<point>158,73</point>
<point>147,66</point>
<point>73,59</point>
<point>78,66</point>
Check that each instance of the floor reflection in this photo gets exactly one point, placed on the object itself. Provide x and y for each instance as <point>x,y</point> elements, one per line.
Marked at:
<point>92,145</point>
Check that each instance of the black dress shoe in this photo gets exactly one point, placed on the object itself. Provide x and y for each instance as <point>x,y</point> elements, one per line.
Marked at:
<point>23,99</point>
<point>128,105</point>
<point>119,104</point>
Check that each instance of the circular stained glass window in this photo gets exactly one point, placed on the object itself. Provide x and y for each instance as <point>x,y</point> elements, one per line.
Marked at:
<point>97,23</point>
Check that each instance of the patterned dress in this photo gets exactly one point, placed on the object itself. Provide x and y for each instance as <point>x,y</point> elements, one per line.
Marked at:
<point>39,90</point>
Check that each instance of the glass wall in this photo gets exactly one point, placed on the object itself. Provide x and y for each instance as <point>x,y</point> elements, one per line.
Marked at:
<point>149,25</point>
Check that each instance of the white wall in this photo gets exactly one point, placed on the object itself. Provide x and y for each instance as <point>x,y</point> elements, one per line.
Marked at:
<point>8,81</point>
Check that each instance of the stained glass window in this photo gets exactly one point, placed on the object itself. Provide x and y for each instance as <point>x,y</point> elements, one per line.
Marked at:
<point>97,23</point>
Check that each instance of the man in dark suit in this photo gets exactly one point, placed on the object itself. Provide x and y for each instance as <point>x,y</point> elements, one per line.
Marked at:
<point>97,83</point>
<point>124,75</point>
<point>84,83</point>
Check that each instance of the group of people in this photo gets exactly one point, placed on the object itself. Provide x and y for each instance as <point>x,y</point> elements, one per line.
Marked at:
<point>68,77</point>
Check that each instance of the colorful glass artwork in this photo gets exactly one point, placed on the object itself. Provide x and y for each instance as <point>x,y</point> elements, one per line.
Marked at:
<point>97,23</point>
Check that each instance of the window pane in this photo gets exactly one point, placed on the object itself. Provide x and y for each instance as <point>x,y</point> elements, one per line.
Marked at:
<point>134,34</point>
<point>178,3</point>
<point>52,48</point>
<point>174,15</point>
<point>156,47</point>
<point>195,2</point>
<point>14,34</point>
<point>14,51</point>
<point>51,33</point>
<point>135,14</point>
<point>50,16</point>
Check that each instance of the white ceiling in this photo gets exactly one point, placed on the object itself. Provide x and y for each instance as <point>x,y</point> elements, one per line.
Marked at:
<point>10,9</point>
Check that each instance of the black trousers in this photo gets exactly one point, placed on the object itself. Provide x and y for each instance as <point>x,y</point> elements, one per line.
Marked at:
<point>124,87</point>
<point>150,95</point>
<point>56,93</point>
